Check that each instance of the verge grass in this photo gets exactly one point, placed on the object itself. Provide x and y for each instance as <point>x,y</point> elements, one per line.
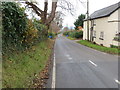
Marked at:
<point>19,68</point>
<point>100,48</point>
<point>71,38</point>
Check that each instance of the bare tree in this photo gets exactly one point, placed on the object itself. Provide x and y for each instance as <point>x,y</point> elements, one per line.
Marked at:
<point>62,5</point>
<point>43,13</point>
<point>59,18</point>
<point>66,6</point>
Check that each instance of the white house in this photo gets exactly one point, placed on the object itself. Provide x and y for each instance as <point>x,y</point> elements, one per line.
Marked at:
<point>104,26</point>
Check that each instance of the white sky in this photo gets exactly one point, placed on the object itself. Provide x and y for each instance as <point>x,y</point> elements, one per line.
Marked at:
<point>93,6</point>
<point>81,9</point>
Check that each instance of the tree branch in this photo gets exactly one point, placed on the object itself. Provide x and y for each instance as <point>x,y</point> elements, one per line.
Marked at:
<point>38,11</point>
<point>52,15</point>
<point>45,9</point>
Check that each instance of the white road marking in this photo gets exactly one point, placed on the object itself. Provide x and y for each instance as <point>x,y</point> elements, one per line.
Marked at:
<point>54,73</point>
<point>118,82</point>
<point>93,63</point>
<point>70,58</point>
<point>67,55</point>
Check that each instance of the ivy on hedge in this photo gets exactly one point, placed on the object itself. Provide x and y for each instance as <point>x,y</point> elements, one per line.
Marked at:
<point>14,22</point>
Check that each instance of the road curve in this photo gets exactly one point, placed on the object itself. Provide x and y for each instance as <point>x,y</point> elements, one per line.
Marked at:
<point>78,66</point>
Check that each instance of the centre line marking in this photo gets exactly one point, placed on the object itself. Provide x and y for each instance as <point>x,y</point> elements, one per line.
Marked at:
<point>93,63</point>
<point>70,58</point>
<point>118,82</point>
<point>68,55</point>
<point>53,74</point>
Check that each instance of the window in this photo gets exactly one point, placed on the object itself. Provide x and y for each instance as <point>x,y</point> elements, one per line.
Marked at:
<point>94,34</point>
<point>94,23</point>
<point>101,36</point>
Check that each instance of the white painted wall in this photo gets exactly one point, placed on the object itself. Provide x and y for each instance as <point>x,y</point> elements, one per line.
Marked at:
<point>109,25</point>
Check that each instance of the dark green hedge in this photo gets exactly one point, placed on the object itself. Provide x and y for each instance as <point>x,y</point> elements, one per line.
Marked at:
<point>74,34</point>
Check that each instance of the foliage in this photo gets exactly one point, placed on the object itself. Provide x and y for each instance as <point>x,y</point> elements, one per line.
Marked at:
<point>51,34</point>
<point>31,33</point>
<point>14,23</point>
<point>79,21</point>
<point>117,38</point>
<point>19,67</point>
<point>66,33</point>
<point>100,48</point>
<point>74,34</point>
<point>113,46</point>
<point>42,29</point>
<point>39,26</point>
<point>79,34</point>
<point>19,32</point>
<point>26,40</point>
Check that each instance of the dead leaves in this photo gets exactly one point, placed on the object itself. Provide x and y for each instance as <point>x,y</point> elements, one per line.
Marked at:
<point>41,78</point>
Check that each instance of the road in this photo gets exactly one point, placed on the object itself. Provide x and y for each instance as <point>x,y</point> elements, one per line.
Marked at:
<point>78,66</point>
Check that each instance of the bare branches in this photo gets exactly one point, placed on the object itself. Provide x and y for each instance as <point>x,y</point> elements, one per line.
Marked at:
<point>67,6</point>
<point>38,11</point>
<point>43,14</point>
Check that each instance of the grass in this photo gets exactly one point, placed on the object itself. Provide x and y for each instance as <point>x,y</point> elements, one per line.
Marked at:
<point>19,68</point>
<point>0,55</point>
<point>71,38</point>
<point>100,48</point>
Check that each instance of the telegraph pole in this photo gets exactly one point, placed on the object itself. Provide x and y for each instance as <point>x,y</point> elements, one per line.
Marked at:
<point>88,20</point>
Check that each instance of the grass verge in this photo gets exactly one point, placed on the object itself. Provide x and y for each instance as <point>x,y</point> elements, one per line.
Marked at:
<point>100,48</point>
<point>19,69</point>
<point>71,38</point>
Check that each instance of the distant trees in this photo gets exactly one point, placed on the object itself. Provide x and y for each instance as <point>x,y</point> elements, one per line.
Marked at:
<point>79,21</point>
<point>74,34</point>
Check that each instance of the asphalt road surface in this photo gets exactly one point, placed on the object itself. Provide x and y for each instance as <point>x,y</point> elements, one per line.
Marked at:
<point>78,66</point>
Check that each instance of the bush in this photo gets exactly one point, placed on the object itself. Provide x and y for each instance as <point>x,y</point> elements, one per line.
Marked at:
<point>113,46</point>
<point>74,34</point>
<point>66,33</point>
<point>42,29</point>
<point>19,32</point>
<point>117,39</point>
<point>14,22</point>
<point>31,33</point>
<point>51,35</point>
<point>79,34</point>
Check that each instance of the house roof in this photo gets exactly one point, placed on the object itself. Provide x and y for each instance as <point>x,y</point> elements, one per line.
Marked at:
<point>105,11</point>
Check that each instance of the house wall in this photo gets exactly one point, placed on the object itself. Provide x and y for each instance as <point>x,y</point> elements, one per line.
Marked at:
<point>101,26</point>
<point>108,25</point>
<point>112,28</point>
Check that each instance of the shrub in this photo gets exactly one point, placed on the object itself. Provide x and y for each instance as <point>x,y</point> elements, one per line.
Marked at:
<point>42,29</point>
<point>117,39</point>
<point>51,35</point>
<point>79,34</point>
<point>31,33</point>
<point>74,34</point>
<point>113,46</point>
<point>66,33</point>
<point>14,22</point>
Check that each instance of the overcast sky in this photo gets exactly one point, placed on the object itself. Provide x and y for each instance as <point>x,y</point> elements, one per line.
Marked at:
<point>81,9</point>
